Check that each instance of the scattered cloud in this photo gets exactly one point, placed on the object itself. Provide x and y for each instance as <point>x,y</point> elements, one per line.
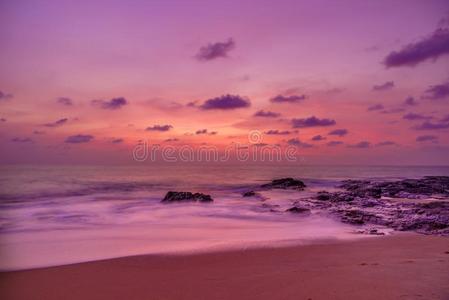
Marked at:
<point>427,125</point>
<point>3,120</point>
<point>288,99</point>
<point>215,50</point>
<point>437,92</point>
<point>117,141</point>
<point>362,144</point>
<point>205,131</point>
<point>113,104</point>
<point>413,116</point>
<point>312,122</point>
<point>64,101</point>
<point>393,110</point>
<point>431,47</point>
<point>159,128</point>
<point>79,138</point>
<point>386,143</point>
<point>5,96</point>
<point>296,142</point>
<point>277,132</point>
<point>318,138</point>
<point>375,107</point>
<point>57,123</point>
<point>171,140</point>
<point>384,87</point>
<point>38,132</point>
<point>410,101</point>
<point>266,114</point>
<point>334,143</point>
<point>22,140</point>
<point>339,132</point>
<point>225,102</point>
<point>427,138</point>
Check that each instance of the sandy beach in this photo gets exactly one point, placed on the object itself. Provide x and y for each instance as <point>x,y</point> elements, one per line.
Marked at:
<point>401,266</point>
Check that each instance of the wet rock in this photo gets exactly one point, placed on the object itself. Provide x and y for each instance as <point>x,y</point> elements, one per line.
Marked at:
<point>173,196</point>
<point>360,217</point>
<point>323,196</point>
<point>249,194</point>
<point>297,209</point>
<point>285,183</point>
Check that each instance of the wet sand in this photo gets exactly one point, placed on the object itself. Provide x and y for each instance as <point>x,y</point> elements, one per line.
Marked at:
<point>401,266</point>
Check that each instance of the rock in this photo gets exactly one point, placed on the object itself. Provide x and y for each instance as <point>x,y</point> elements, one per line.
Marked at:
<point>172,196</point>
<point>323,196</point>
<point>249,194</point>
<point>296,209</point>
<point>285,183</point>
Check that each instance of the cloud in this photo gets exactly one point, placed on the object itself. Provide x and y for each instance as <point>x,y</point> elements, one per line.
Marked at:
<point>288,99</point>
<point>113,104</point>
<point>414,116</point>
<point>277,132</point>
<point>38,132</point>
<point>5,96</point>
<point>22,140</point>
<point>57,123</point>
<point>334,143</point>
<point>393,110</point>
<point>410,101</point>
<point>267,114</point>
<point>3,120</point>
<point>64,101</point>
<point>384,87</point>
<point>79,138</point>
<point>427,125</point>
<point>171,140</point>
<point>312,122</point>
<point>375,107</point>
<point>205,131</point>
<point>296,142</point>
<point>437,92</point>
<point>318,138</point>
<point>215,50</point>
<point>362,144</point>
<point>427,138</point>
<point>431,47</point>
<point>386,143</point>
<point>339,132</point>
<point>117,141</point>
<point>159,128</point>
<point>225,102</point>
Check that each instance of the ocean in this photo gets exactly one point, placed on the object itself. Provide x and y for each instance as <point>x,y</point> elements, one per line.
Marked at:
<point>55,215</point>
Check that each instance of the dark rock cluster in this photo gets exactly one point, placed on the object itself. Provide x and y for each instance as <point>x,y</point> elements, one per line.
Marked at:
<point>172,196</point>
<point>285,183</point>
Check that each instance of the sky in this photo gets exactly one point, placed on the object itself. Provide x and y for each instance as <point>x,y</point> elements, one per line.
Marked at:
<point>344,82</point>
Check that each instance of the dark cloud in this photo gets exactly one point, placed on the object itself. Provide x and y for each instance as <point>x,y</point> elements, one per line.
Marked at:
<point>427,138</point>
<point>427,125</point>
<point>3,120</point>
<point>159,128</point>
<point>414,116</point>
<point>21,140</point>
<point>339,132</point>
<point>375,107</point>
<point>431,47</point>
<point>57,123</point>
<point>225,102</point>
<point>437,92</point>
<point>318,138</point>
<point>267,114</point>
<point>384,87</point>
<point>64,101</point>
<point>112,104</point>
<point>5,96</point>
<point>362,144</point>
<point>312,122</point>
<point>171,140</point>
<point>277,132</point>
<point>334,143</point>
<point>117,141</point>
<point>410,101</point>
<point>288,99</point>
<point>393,110</point>
<point>296,142</point>
<point>215,50</point>
<point>38,132</point>
<point>386,143</point>
<point>79,138</point>
<point>205,131</point>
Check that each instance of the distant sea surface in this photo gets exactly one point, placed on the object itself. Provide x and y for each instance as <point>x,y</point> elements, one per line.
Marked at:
<point>53,215</point>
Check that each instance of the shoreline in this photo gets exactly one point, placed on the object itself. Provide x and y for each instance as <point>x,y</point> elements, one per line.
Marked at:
<point>405,265</point>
